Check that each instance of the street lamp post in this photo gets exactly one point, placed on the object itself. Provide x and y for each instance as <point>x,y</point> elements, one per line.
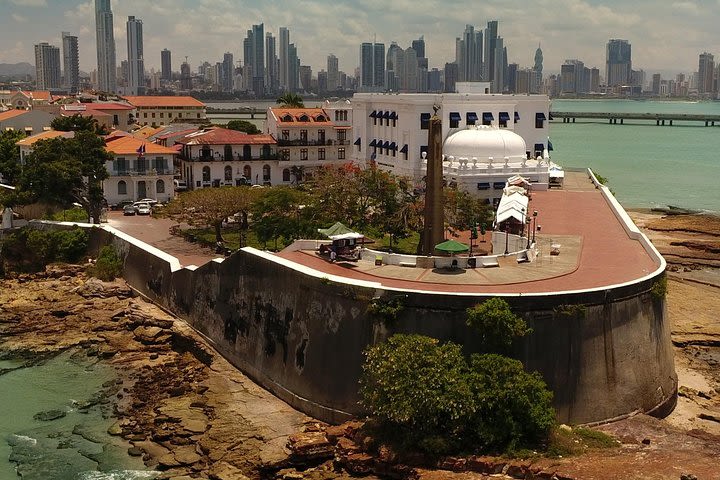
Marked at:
<point>535,214</point>
<point>528,220</point>
<point>507,232</point>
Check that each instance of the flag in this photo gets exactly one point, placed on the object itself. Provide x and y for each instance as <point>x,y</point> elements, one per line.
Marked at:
<point>141,151</point>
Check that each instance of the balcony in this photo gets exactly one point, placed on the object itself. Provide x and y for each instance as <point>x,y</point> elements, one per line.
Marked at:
<point>140,173</point>
<point>304,143</point>
<point>234,158</point>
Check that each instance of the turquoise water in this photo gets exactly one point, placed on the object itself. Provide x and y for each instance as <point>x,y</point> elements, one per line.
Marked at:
<point>647,165</point>
<point>73,447</point>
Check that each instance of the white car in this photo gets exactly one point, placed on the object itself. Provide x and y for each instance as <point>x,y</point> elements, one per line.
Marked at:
<point>150,201</point>
<point>142,208</point>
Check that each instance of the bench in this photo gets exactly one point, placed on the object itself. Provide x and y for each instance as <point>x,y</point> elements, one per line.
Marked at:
<point>407,264</point>
<point>489,262</point>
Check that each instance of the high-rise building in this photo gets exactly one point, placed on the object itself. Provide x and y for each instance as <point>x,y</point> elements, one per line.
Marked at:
<point>105,46</point>
<point>498,70</point>
<point>227,73</point>
<point>185,78</point>
<point>451,77</point>
<point>572,77</point>
<point>71,62</point>
<point>47,66</point>
<point>258,60</point>
<point>706,69</point>
<point>305,73</point>
<point>294,73</point>
<point>166,65</point>
<point>136,63</point>
<point>332,73</point>
<point>283,60</point>
<point>538,69</point>
<point>489,61</point>
<point>618,63</point>
<point>469,55</point>
<point>272,79</point>
<point>372,67</point>
<point>419,47</point>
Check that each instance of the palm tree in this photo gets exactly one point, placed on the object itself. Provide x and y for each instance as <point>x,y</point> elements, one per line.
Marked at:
<point>291,100</point>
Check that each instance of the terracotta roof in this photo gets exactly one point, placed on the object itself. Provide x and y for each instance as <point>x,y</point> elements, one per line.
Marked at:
<point>223,136</point>
<point>27,141</point>
<point>164,101</point>
<point>12,114</point>
<point>146,131</point>
<point>108,106</point>
<point>37,94</point>
<point>130,146</point>
<point>295,115</point>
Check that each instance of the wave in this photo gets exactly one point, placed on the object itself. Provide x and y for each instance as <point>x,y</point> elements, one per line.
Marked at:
<point>118,475</point>
<point>15,440</point>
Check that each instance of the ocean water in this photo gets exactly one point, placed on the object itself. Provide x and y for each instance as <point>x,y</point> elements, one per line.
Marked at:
<point>75,446</point>
<point>646,165</point>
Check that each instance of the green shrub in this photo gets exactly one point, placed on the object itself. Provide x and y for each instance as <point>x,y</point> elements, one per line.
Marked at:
<point>571,311</point>
<point>108,265</point>
<point>75,214</point>
<point>386,311</point>
<point>30,249</point>
<point>659,288</point>
<point>497,325</point>
<point>70,245</point>
<point>426,396</point>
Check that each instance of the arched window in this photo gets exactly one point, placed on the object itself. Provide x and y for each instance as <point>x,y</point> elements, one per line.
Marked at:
<point>228,173</point>
<point>266,173</point>
<point>206,174</point>
<point>304,118</point>
<point>160,186</point>
<point>320,118</point>
<point>287,118</point>
<point>122,187</point>
<point>247,172</point>
<point>228,153</point>
<point>286,175</point>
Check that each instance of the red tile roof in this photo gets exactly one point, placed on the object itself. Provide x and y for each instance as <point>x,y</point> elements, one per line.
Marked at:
<point>301,116</point>
<point>12,114</point>
<point>130,146</point>
<point>108,106</point>
<point>151,101</point>
<point>223,136</point>
<point>27,141</point>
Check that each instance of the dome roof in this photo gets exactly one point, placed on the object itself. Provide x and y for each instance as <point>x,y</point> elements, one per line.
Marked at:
<point>483,142</point>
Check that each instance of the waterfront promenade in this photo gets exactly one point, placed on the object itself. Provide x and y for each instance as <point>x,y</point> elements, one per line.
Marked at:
<point>619,117</point>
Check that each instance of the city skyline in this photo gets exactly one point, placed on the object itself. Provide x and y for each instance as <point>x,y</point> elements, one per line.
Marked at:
<point>321,27</point>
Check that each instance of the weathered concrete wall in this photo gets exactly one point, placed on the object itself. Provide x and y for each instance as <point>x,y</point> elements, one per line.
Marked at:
<point>301,335</point>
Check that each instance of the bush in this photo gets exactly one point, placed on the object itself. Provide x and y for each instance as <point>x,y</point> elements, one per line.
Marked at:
<point>427,396</point>
<point>497,325</point>
<point>30,249</point>
<point>108,265</point>
<point>70,245</point>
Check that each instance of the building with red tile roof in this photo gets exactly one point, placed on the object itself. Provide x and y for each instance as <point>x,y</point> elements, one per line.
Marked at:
<point>162,110</point>
<point>308,138</point>
<point>28,121</point>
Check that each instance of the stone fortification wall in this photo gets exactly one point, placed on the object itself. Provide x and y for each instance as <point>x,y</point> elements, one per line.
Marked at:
<point>300,334</point>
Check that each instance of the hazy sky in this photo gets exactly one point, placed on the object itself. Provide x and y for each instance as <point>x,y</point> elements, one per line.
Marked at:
<point>665,35</point>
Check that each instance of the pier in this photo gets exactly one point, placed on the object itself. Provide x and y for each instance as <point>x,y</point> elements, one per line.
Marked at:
<point>660,119</point>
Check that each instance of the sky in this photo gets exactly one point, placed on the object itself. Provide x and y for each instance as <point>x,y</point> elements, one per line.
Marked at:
<point>666,36</point>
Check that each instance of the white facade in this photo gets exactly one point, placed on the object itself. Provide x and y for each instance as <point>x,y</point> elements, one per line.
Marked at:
<point>403,135</point>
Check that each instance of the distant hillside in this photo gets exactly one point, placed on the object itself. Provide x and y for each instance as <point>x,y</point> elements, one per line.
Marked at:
<point>16,69</point>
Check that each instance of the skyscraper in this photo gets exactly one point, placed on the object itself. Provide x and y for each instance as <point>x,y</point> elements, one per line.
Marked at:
<point>283,59</point>
<point>491,35</point>
<point>136,63</point>
<point>469,55</point>
<point>538,68</point>
<point>258,60</point>
<point>332,73</point>
<point>294,71</point>
<point>71,62</point>
<point>185,78</point>
<point>47,66</point>
<point>227,73</point>
<point>105,46</point>
<point>618,63</point>
<point>706,69</point>
<point>272,79</point>
<point>372,67</point>
<point>166,65</point>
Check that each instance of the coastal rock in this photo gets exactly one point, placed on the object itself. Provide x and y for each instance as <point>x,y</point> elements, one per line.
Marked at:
<point>147,334</point>
<point>225,471</point>
<point>186,455</point>
<point>115,429</point>
<point>49,415</point>
<point>309,447</point>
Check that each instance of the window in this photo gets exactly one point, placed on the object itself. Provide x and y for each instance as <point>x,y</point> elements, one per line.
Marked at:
<point>122,166</point>
<point>116,120</point>
<point>303,135</point>
<point>266,173</point>
<point>321,136</point>
<point>206,174</point>
<point>247,172</point>
<point>303,154</point>
<point>160,186</point>
<point>205,153</point>
<point>321,154</point>
<point>341,135</point>
<point>153,115</point>
<point>471,118</point>
<point>141,165</point>
<point>162,115</point>
<point>228,173</point>
<point>341,154</point>
<point>144,114</point>
<point>286,175</point>
<point>424,121</point>
<point>487,118</point>
<point>455,120</point>
<point>228,153</point>
<point>539,120</point>
<point>304,118</point>
<point>285,135</point>
<point>287,118</point>
<point>122,187</point>
<point>504,118</point>
<point>285,154</point>
<point>247,152</point>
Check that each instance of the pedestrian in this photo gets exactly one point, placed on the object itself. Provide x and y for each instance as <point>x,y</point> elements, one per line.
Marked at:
<point>333,255</point>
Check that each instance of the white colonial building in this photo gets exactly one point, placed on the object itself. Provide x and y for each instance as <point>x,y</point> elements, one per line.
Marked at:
<point>309,138</point>
<point>162,110</point>
<point>479,131</point>
<point>139,169</point>
<point>215,157</point>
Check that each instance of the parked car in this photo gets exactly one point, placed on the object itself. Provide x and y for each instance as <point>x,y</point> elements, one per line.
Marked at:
<point>122,204</point>
<point>180,185</point>
<point>142,208</point>
<point>129,210</point>
<point>150,201</point>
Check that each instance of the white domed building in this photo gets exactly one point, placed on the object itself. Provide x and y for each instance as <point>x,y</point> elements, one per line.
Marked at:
<point>481,159</point>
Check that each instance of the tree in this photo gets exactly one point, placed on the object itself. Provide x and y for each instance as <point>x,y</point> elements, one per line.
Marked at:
<point>464,210</point>
<point>243,126</point>
<point>78,122</point>
<point>211,206</point>
<point>62,171</point>
<point>279,212</point>
<point>10,155</point>
<point>513,408</point>
<point>291,100</point>
<point>497,325</point>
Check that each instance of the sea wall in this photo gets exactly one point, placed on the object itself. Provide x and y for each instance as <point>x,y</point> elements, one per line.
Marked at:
<point>301,333</point>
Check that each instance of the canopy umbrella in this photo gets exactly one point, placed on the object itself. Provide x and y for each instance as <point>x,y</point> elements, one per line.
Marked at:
<point>337,229</point>
<point>452,247</point>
